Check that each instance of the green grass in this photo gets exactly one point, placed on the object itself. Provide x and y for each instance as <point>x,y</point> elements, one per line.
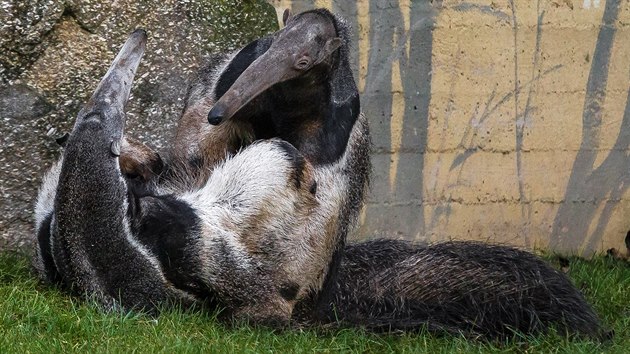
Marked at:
<point>35,318</point>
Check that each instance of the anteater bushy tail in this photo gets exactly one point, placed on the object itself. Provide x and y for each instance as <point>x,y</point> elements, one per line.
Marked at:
<point>471,288</point>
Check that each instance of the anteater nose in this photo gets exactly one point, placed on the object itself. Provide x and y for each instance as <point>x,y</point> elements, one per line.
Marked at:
<point>215,116</point>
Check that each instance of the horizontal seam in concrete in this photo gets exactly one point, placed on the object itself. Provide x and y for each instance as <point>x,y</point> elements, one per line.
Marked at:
<point>416,202</point>
<point>582,27</point>
<point>382,151</point>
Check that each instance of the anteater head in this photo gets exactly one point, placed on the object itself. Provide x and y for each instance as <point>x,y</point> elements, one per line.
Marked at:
<point>112,93</point>
<point>106,106</point>
<point>309,40</point>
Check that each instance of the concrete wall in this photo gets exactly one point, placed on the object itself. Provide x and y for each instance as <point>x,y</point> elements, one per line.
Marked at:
<point>503,120</point>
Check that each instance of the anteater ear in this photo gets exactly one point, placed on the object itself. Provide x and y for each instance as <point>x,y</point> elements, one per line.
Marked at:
<point>61,140</point>
<point>138,160</point>
<point>330,46</point>
<point>285,16</point>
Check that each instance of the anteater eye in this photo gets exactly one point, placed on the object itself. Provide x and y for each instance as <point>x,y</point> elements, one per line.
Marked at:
<point>303,63</point>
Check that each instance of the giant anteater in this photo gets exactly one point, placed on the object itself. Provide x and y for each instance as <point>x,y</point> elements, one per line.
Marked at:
<point>244,239</point>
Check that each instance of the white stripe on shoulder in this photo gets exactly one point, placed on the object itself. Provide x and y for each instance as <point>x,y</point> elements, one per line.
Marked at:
<point>46,196</point>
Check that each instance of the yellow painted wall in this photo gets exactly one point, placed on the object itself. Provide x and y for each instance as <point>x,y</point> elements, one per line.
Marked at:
<point>498,120</point>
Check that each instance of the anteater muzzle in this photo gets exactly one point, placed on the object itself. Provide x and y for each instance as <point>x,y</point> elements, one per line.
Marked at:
<point>112,93</point>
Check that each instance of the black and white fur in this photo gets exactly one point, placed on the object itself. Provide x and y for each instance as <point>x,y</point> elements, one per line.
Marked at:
<point>297,85</point>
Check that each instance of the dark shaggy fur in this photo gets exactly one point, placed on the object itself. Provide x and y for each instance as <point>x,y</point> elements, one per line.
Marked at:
<point>472,288</point>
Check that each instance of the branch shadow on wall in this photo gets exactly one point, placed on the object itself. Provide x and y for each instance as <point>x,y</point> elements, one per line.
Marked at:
<point>589,187</point>
<point>399,142</point>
